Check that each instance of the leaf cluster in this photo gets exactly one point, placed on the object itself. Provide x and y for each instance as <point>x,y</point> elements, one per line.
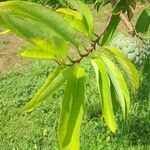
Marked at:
<point>62,36</point>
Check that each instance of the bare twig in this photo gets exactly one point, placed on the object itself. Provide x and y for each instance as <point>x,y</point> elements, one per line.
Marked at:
<point>128,24</point>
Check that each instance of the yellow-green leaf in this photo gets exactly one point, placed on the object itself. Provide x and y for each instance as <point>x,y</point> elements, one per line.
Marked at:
<point>54,81</point>
<point>128,67</point>
<point>119,84</point>
<point>105,93</point>
<point>143,22</point>
<point>33,52</point>
<point>70,12</point>
<point>87,18</point>
<point>74,18</point>
<point>115,19</point>
<point>72,110</point>
<point>42,15</point>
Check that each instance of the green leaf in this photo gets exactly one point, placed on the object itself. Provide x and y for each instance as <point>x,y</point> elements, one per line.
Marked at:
<point>143,22</point>
<point>37,34</point>
<point>72,110</point>
<point>114,97</point>
<point>38,13</point>
<point>25,27</point>
<point>99,3</point>
<point>70,12</point>
<point>74,18</point>
<point>87,18</point>
<point>119,84</point>
<point>115,19</point>
<point>128,67</point>
<point>125,6</point>
<point>121,6</point>
<point>105,93</point>
<point>56,47</point>
<point>85,12</point>
<point>34,52</point>
<point>54,81</point>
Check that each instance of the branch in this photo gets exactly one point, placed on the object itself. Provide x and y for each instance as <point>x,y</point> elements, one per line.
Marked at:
<point>128,24</point>
<point>130,27</point>
<point>125,20</point>
<point>78,60</point>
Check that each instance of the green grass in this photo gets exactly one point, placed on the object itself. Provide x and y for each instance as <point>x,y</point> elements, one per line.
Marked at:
<point>37,130</point>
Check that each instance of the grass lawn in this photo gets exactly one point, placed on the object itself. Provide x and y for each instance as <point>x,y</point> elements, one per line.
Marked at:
<point>37,130</point>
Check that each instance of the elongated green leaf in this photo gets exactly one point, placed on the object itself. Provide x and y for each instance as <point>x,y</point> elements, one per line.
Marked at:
<point>70,12</point>
<point>115,19</point>
<point>77,24</point>
<point>119,84</point>
<point>85,12</point>
<point>104,88</point>
<point>87,18</point>
<point>114,97</point>
<point>54,81</point>
<point>143,22</point>
<point>119,7</point>
<point>128,67</point>
<point>72,110</point>
<point>125,6</point>
<point>99,3</point>
<point>37,34</point>
<point>34,52</point>
<point>41,14</point>
<point>56,46</point>
<point>25,27</point>
<point>74,18</point>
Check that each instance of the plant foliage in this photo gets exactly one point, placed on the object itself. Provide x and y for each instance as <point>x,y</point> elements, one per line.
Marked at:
<point>53,35</point>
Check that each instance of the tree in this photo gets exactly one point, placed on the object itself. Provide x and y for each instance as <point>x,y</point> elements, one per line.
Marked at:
<point>52,33</point>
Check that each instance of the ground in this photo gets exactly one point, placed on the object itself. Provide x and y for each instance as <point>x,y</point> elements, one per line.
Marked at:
<point>9,55</point>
